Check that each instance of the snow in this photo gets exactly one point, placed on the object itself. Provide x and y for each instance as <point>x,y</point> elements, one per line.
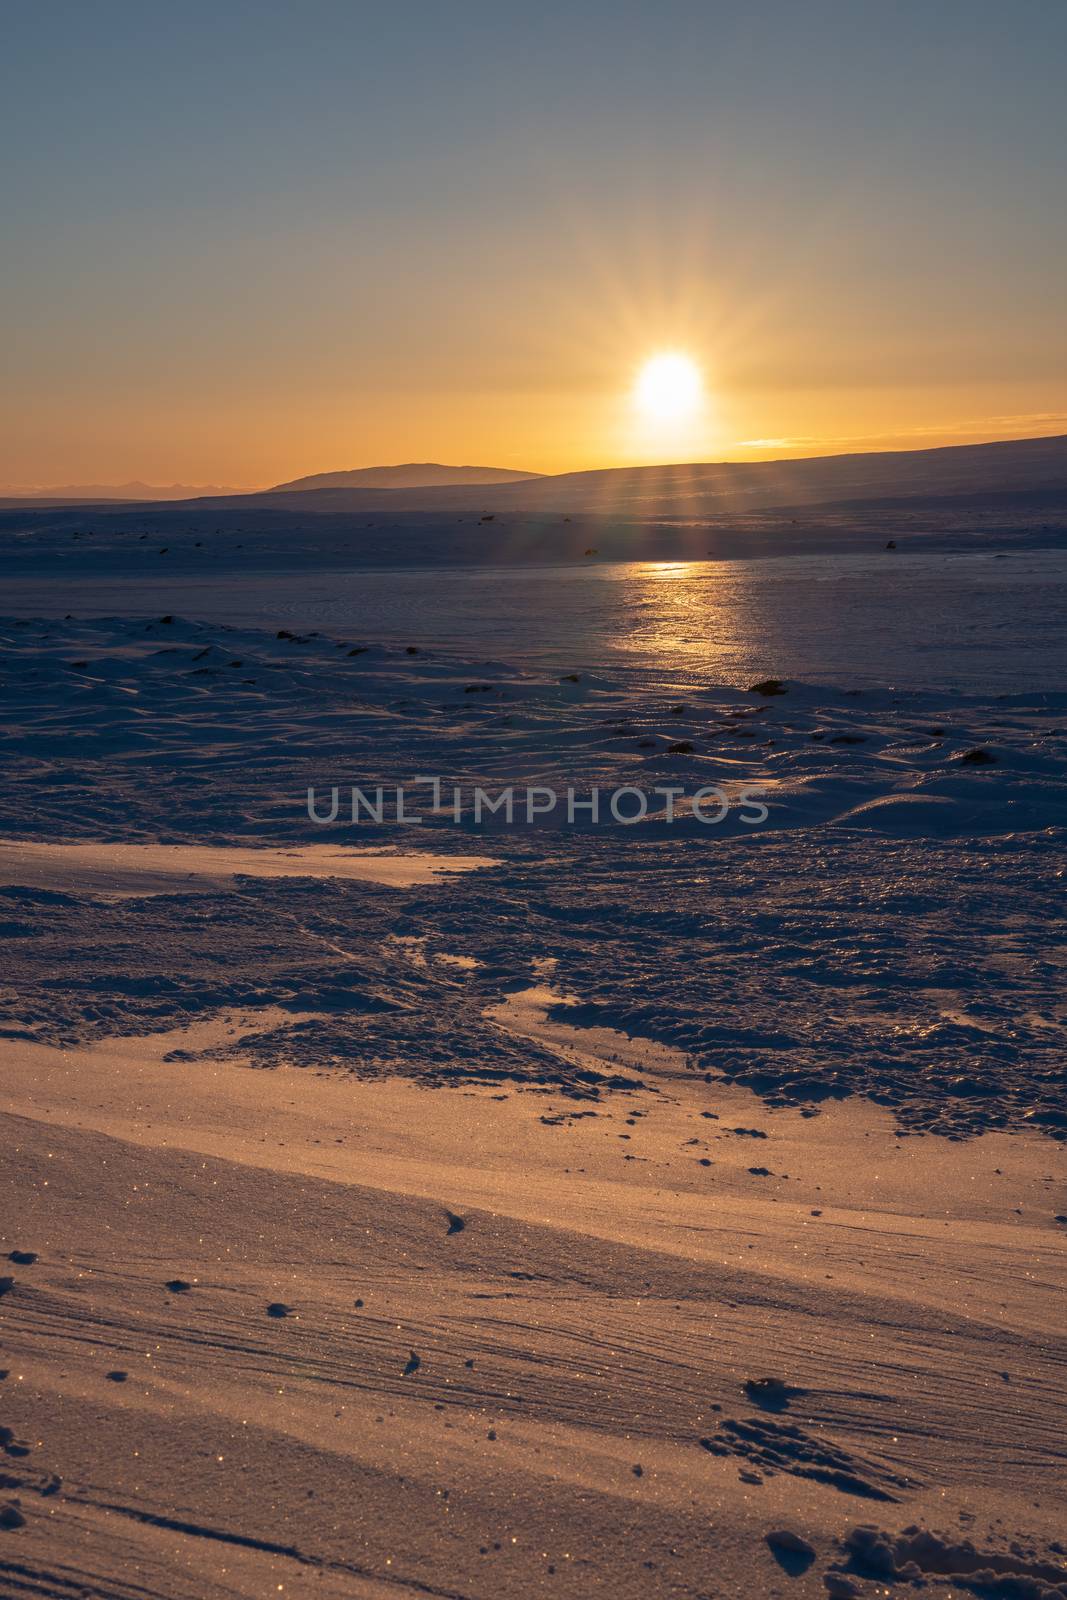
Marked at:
<point>138,869</point>
<point>667,1209</point>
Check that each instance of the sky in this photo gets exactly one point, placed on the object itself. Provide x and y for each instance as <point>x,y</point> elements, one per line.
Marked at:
<point>244,242</point>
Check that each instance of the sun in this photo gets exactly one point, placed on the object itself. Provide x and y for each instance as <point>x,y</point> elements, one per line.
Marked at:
<point>669,387</point>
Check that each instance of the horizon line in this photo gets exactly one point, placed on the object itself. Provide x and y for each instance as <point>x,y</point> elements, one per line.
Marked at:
<point>816,450</point>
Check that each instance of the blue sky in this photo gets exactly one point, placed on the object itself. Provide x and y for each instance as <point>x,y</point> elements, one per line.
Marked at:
<point>248,241</point>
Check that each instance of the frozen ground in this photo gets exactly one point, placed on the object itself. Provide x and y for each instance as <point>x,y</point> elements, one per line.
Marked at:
<point>558,1152</point>
<point>986,619</point>
<point>293,1332</point>
<point>891,929</point>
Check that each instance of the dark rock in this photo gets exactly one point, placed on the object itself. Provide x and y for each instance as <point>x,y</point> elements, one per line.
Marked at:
<point>978,758</point>
<point>793,1554</point>
<point>770,1394</point>
<point>786,1539</point>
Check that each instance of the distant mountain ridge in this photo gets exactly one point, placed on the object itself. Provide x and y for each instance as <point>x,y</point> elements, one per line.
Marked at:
<point>408,475</point>
<point>700,489</point>
<point>82,492</point>
<point>691,492</point>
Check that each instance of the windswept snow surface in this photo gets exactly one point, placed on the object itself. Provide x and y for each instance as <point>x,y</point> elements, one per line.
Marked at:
<point>659,1209</point>
<point>139,869</point>
<point>890,929</point>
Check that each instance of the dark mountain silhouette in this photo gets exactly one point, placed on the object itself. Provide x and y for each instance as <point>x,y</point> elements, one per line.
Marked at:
<point>700,489</point>
<point>410,475</point>
<point>685,490</point>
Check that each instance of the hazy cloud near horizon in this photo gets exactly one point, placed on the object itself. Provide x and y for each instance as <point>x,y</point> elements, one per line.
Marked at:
<point>251,243</point>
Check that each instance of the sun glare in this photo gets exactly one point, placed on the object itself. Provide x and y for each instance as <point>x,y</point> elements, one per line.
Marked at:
<point>669,387</point>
